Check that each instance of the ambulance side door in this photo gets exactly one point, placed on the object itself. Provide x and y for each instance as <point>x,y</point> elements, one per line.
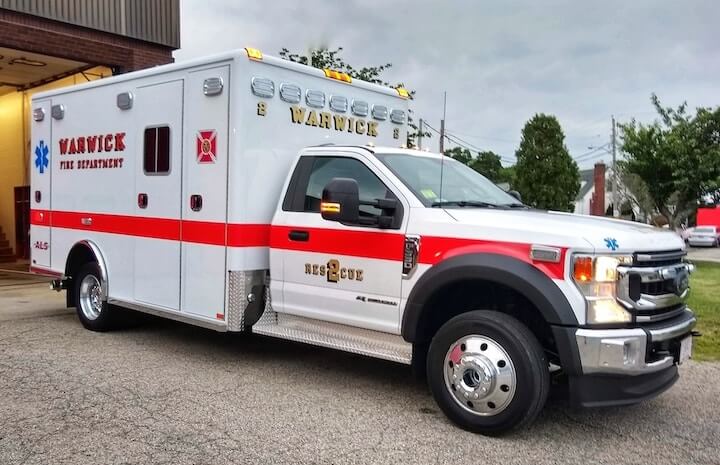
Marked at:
<point>347,274</point>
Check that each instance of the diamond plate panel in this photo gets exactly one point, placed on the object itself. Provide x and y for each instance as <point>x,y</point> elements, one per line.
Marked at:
<point>240,284</point>
<point>322,333</point>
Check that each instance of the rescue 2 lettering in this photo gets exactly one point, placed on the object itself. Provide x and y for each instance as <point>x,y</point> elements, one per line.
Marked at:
<point>334,271</point>
<point>327,120</point>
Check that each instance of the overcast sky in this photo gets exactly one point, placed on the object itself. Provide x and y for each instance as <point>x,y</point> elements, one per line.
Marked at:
<point>499,61</point>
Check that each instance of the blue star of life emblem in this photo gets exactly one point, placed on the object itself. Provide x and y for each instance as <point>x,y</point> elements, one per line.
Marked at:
<point>41,156</point>
<point>611,243</point>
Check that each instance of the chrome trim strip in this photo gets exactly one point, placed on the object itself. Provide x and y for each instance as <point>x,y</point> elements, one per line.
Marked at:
<point>662,256</point>
<point>543,253</point>
<point>169,314</point>
<point>672,332</point>
<point>101,264</point>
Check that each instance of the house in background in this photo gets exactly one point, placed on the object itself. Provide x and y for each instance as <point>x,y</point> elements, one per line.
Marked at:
<point>595,195</point>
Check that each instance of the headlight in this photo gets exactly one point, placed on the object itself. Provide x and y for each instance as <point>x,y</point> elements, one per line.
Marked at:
<point>596,277</point>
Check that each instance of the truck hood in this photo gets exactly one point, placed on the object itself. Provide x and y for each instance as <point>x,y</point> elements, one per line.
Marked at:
<point>566,230</point>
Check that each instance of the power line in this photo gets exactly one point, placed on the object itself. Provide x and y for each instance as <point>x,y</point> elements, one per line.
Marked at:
<point>453,137</point>
<point>484,137</point>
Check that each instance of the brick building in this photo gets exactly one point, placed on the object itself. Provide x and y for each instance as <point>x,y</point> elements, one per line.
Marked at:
<point>46,44</point>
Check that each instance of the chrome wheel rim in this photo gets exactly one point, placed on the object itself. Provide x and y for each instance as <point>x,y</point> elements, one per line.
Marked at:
<point>480,375</point>
<point>91,297</point>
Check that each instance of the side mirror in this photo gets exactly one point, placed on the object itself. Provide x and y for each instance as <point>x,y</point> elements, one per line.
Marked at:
<point>341,201</point>
<point>516,194</point>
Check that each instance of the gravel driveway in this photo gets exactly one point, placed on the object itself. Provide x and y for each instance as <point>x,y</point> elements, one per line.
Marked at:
<point>170,393</point>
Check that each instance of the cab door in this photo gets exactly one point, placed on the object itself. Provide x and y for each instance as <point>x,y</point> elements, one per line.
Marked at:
<point>158,173</point>
<point>348,274</point>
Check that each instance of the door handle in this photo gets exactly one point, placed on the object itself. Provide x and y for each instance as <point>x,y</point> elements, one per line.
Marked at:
<point>142,200</point>
<point>300,236</point>
<point>196,202</point>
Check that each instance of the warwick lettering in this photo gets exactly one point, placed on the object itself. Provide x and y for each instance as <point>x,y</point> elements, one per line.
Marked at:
<point>327,120</point>
<point>90,145</point>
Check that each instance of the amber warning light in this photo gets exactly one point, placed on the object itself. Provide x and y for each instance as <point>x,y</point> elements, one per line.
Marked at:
<point>583,269</point>
<point>329,207</point>
<point>332,74</point>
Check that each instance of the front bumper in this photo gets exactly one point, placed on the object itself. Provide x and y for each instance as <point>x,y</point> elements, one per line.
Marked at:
<point>704,241</point>
<point>630,351</point>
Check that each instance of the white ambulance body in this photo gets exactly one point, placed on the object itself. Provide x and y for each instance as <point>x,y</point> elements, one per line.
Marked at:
<point>163,254</point>
<point>244,192</point>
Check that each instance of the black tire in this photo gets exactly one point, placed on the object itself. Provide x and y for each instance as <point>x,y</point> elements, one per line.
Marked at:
<point>107,317</point>
<point>527,360</point>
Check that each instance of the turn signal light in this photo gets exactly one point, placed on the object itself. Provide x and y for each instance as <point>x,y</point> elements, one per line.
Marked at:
<point>329,207</point>
<point>332,74</point>
<point>254,54</point>
<point>583,269</point>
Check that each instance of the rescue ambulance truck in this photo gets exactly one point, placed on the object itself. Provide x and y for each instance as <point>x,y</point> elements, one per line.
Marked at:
<point>243,192</point>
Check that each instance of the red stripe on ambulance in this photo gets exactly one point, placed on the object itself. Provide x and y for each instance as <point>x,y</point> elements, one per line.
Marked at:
<point>365,244</point>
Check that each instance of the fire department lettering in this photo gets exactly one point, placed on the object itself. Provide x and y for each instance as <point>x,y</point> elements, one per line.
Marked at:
<point>93,144</point>
<point>100,143</point>
<point>326,120</point>
<point>333,271</point>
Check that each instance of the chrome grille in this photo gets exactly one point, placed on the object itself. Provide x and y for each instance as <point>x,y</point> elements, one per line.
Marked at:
<point>656,286</point>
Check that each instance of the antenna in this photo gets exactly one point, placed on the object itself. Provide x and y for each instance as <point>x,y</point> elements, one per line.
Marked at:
<point>442,144</point>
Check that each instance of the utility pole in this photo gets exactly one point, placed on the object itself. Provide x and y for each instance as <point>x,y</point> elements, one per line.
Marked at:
<point>420,134</point>
<point>442,125</point>
<point>616,210</point>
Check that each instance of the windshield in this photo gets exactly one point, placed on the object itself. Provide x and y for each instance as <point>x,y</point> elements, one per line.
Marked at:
<point>461,185</point>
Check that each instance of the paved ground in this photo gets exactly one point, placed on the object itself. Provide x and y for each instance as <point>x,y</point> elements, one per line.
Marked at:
<point>708,254</point>
<point>170,393</point>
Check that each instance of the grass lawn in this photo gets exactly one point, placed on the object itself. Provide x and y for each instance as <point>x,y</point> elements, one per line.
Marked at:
<point>705,301</point>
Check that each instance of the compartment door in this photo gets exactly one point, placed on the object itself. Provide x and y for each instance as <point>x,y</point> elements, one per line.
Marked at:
<point>204,205</point>
<point>41,162</point>
<point>158,173</point>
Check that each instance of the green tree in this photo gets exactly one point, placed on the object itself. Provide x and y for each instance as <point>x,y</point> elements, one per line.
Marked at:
<point>545,174</point>
<point>488,164</point>
<point>323,58</point>
<point>460,154</point>
<point>677,157</point>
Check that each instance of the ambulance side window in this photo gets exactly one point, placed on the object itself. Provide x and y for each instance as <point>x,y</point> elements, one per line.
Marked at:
<point>324,169</point>
<point>156,152</point>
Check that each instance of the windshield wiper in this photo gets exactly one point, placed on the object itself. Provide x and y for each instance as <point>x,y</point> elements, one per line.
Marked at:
<point>465,203</point>
<point>515,205</point>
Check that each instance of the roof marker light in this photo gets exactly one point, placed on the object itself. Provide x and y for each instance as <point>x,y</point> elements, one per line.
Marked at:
<point>337,75</point>
<point>402,92</point>
<point>254,54</point>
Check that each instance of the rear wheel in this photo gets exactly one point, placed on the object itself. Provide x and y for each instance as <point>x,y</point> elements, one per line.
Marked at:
<point>488,372</point>
<point>94,312</point>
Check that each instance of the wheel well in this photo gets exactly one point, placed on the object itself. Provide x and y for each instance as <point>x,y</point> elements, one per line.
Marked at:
<point>79,255</point>
<point>467,295</point>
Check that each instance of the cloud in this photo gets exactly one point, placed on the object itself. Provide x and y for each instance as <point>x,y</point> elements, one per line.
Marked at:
<point>500,62</point>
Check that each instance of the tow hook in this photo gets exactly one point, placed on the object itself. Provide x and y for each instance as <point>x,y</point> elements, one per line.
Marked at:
<point>695,333</point>
<point>59,284</point>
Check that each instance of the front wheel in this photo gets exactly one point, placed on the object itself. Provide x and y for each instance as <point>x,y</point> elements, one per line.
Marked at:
<point>488,372</point>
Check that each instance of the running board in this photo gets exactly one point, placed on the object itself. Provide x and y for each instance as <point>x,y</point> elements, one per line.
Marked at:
<point>335,336</point>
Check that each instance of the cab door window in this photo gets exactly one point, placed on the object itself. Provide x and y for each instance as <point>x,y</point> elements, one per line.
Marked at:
<point>324,169</point>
